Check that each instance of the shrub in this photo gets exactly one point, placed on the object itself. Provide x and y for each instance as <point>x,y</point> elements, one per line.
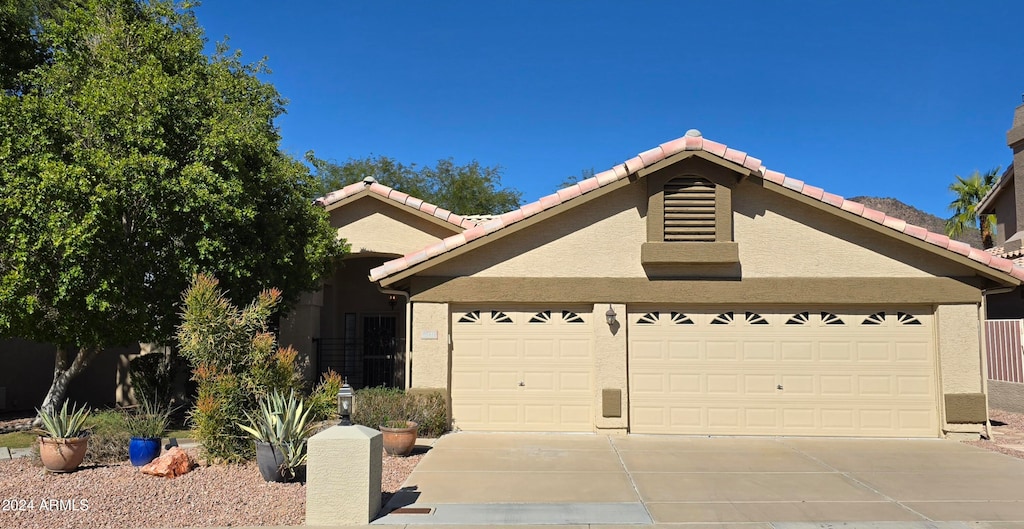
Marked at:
<point>376,406</point>
<point>108,438</point>
<point>235,362</point>
<point>323,401</point>
<point>430,411</point>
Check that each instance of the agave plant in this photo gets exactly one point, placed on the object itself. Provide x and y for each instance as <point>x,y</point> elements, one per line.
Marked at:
<point>283,422</point>
<point>64,424</point>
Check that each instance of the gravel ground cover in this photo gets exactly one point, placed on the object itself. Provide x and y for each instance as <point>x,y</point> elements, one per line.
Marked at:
<point>1007,431</point>
<point>101,496</point>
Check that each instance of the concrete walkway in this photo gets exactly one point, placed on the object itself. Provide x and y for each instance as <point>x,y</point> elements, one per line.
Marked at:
<point>590,479</point>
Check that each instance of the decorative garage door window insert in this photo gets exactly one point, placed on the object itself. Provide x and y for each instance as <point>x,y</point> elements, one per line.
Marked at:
<point>473,316</point>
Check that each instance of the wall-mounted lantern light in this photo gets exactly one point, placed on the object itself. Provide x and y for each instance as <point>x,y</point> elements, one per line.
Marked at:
<point>610,315</point>
<point>346,400</point>
<point>392,299</point>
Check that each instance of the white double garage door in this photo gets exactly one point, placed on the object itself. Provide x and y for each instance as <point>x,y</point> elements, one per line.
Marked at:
<point>728,371</point>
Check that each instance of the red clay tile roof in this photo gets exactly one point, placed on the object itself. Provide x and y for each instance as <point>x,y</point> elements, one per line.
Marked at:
<point>371,186</point>
<point>1017,256</point>
<point>692,141</point>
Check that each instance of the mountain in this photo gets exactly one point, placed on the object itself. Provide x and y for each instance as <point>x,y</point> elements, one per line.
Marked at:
<point>895,208</point>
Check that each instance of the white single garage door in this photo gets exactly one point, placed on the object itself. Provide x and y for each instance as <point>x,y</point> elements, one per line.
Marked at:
<point>783,372</point>
<point>522,370</point>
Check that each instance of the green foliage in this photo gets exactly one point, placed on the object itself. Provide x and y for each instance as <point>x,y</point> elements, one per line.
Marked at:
<point>65,424</point>
<point>235,362</point>
<point>375,407</point>
<point>284,423</point>
<point>108,438</point>
<point>969,192</point>
<point>470,189</point>
<point>323,401</point>
<point>148,420</point>
<point>129,161</point>
<point>152,376</point>
<point>17,439</point>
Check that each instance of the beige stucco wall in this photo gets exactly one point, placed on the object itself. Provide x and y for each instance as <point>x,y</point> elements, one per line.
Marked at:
<point>372,225</point>
<point>777,237</point>
<point>430,357</point>
<point>959,348</point>
<point>610,366</point>
<point>592,240</point>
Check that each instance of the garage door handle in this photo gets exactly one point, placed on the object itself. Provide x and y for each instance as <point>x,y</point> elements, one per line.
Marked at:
<point>522,384</point>
<point>779,386</point>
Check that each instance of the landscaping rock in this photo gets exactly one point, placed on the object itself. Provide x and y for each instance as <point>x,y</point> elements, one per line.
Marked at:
<point>175,462</point>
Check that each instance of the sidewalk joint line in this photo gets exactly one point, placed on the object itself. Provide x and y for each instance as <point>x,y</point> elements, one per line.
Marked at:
<point>855,480</point>
<point>629,475</point>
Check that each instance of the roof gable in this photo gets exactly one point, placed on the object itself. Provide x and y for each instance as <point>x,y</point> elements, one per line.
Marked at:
<point>987,202</point>
<point>369,186</point>
<point>692,144</point>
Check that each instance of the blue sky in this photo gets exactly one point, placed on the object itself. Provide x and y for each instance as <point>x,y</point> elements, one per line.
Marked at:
<point>861,98</point>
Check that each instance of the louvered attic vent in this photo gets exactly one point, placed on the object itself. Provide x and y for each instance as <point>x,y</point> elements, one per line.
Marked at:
<point>689,210</point>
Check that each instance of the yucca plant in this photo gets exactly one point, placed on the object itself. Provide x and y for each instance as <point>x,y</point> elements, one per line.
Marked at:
<point>282,422</point>
<point>148,420</point>
<point>65,424</point>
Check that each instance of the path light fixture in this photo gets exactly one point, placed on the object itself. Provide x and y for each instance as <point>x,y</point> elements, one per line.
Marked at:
<point>610,315</point>
<point>346,399</point>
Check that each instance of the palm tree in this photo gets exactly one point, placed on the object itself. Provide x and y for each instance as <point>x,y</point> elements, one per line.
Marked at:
<point>969,192</point>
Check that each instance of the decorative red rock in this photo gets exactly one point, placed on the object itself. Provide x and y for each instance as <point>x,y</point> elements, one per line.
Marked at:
<point>173,463</point>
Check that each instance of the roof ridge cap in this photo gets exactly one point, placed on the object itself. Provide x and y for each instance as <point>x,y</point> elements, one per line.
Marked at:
<point>370,185</point>
<point>693,140</point>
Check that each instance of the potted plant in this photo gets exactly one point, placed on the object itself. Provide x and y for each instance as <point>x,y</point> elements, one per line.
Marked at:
<point>399,436</point>
<point>279,430</point>
<point>64,442</point>
<point>146,425</point>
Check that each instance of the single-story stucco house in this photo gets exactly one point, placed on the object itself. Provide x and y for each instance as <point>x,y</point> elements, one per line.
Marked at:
<point>689,290</point>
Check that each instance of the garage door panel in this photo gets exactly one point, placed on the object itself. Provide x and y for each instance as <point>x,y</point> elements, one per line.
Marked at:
<point>912,352</point>
<point>722,350</point>
<point>574,349</point>
<point>498,349</point>
<point>799,418</point>
<point>770,371</point>
<point>522,370</point>
<point>796,351</point>
<point>758,351</point>
<point>835,351</point>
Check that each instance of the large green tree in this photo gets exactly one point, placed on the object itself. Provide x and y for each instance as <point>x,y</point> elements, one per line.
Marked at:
<point>470,189</point>
<point>969,192</point>
<point>129,161</point>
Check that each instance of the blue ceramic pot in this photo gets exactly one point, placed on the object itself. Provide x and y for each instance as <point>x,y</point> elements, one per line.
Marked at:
<point>142,450</point>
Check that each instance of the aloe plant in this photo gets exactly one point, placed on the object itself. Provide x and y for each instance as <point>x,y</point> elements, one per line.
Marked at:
<point>64,424</point>
<point>283,422</point>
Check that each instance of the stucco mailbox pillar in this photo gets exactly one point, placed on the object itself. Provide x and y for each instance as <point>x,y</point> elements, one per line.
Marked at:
<point>343,475</point>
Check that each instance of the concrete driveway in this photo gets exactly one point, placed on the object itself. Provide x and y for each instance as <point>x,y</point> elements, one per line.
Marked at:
<point>470,478</point>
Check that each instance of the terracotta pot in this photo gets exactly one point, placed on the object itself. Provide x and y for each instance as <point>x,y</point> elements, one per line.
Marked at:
<point>62,455</point>
<point>400,441</point>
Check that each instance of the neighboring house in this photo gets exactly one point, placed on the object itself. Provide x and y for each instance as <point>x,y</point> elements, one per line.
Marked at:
<point>1006,201</point>
<point>689,290</point>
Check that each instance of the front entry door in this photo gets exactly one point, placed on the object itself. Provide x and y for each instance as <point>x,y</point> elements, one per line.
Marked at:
<point>379,350</point>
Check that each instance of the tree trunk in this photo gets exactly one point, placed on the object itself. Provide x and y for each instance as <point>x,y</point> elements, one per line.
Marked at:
<point>986,234</point>
<point>70,362</point>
